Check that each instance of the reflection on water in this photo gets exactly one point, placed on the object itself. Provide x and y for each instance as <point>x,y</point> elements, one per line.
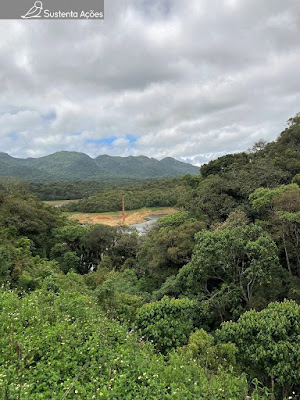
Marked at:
<point>144,227</point>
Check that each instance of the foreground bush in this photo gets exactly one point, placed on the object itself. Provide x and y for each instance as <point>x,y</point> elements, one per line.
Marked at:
<point>62,347</point>
<point>167,323</point>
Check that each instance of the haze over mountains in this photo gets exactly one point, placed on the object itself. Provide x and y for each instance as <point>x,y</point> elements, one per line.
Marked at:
<point>68,166</point>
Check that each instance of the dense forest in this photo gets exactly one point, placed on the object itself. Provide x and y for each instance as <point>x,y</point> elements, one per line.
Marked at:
<point>205,306</point>
<point>65,166</point>
<point>75,190</point>
<point>94,194</point>
<point>153,193</point>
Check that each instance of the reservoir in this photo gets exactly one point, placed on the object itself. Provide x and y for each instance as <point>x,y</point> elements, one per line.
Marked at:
<point>144,227</point>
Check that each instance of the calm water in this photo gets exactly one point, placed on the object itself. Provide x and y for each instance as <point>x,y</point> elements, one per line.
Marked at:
<point>144,227</point>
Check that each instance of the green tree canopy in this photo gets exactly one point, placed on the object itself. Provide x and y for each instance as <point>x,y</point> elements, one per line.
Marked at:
<point>168,322</point>
<point>268,345</point>
<point>227,267</point>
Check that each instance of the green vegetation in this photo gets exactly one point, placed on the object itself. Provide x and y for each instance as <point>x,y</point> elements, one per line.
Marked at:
<point>205,306</point>
<point>167,323</point>
<point>268,344</point>
<point>74,190</point>
<point>227,269</point>
<point>71,166</point>
<point>161,193</point>
<point>62,347</point>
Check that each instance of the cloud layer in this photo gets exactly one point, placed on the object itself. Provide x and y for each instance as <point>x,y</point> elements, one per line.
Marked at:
<point>191,80</point>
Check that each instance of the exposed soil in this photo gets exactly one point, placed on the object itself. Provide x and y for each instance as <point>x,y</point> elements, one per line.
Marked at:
<point>59,203</point>
<point>131,218</point>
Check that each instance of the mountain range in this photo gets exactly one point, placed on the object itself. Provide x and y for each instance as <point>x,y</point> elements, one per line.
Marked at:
<point>70,166</point>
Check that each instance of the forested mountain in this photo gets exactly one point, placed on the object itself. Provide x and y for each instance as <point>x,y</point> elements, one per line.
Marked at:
<point>68,166</point>
<point>14,167</point>
<point>205,306</point>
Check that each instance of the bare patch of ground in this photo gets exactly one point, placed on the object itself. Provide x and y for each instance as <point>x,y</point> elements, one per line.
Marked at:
<point>116,219</point>
<point>59,203</point>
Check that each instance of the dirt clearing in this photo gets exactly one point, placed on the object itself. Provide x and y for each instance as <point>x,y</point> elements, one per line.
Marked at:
<point>115,219</point>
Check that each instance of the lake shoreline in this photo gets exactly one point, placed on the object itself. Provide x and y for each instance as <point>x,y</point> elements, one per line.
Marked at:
<point>132,217</point>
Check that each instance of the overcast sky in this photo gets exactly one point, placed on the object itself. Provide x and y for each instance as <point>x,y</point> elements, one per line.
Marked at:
<point>188,79</point>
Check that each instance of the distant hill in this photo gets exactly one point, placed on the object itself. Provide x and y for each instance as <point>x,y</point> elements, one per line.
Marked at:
<point>69,166</point>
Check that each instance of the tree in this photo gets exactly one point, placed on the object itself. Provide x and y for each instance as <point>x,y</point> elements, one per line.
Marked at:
<point>281,206</point>
<point>264,199</point>
<point>168,322</point>
<point>167,249</point>
<point>31,218</point>
<point>296,179</point>
<point>125,248</point>
<point>211,355</point>
<point>268,345</point>
<point>223,164</point>
<point>5,265</point>
<point>258,146</point>
<point>227,267</point>
<point>286,150</point>
<point>211,198</point>
<point>98,242</point>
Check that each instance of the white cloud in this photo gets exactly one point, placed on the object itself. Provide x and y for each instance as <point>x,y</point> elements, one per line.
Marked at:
<point>192,80</point>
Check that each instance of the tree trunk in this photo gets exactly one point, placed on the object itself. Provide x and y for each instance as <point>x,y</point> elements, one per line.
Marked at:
<point>286,254</point>
<point>272,388</point>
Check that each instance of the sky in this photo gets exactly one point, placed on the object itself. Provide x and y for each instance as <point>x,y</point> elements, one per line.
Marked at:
<point>191,79</point>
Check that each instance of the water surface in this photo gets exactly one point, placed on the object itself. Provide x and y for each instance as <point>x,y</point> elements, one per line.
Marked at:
<point>144,227</point>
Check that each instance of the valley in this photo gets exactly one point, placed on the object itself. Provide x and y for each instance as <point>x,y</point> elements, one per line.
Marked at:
<point>188,288</point>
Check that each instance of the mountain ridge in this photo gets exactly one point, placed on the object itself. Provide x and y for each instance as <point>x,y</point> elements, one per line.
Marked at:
<point>70,166</point>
